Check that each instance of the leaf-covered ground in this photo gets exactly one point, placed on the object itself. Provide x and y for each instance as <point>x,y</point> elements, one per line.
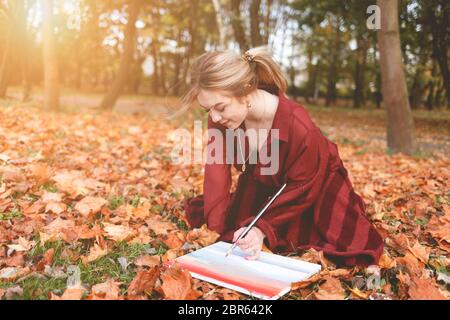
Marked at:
<point>91,208</point>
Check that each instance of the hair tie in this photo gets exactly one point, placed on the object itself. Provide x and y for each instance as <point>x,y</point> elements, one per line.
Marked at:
<point>251,61</point>
<point>249,57</point>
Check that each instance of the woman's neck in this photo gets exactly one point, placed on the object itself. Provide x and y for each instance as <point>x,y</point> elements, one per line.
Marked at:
<point>263,108</point>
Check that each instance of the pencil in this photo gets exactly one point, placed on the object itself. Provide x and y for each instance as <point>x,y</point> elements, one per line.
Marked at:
<point>244,233</point>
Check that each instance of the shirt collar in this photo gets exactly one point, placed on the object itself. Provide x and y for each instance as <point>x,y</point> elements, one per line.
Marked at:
<point>282,117</point>
<point>281,120</point>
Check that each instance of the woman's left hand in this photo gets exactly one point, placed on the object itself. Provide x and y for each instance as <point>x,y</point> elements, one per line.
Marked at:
<point>252,243</point>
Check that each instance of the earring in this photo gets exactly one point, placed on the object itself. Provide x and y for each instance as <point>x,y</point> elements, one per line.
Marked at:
<point>249,105</point>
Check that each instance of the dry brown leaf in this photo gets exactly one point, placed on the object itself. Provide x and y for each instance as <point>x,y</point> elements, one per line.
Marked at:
<point>305,283</point>
<point>330,290</point>
<point>90,205</point>
<point>95,253</point>
<point>422,289</point>
<point>13,273</point>
<point>411,263</point>
<point>57,226</point>
<point>72,293</point>
<point>117,232</point>
<point>386,261</point>
<point>108,290</point>
<point>177,284</point>
<point>34,208</point>
<point>15,260</point>
<point>174,240</point>
<point>159,226</point>
<point>55,207</point>
<point>147,261</point>
<point>51,197</point>
<point>439,228</point>
<point>144,282</point>
<point>139,213</point>
<point>358,293</point>
<point>46,259</point>
<point>420,252</point>
<point>22,245</point>
<point>203,236</point>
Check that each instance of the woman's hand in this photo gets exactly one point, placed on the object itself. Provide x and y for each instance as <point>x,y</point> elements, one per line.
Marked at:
<point>252,243</point>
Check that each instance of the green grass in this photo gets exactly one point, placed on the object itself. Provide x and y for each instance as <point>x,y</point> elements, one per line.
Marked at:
<point>13,214</point>
<point>39,287</point>
<point>109,267</point>
<point>115,202</point>
<point>50,187</point>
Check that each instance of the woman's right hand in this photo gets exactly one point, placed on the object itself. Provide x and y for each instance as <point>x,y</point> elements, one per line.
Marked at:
<point>252,243</point>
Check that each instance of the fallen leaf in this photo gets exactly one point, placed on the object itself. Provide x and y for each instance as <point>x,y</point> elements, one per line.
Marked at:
<point>330,290</point>
<point>147,261</point>
<point>90,205</point>
<point>117,232</point>
<point>174,240</point>
<point>422,289</point>
<point>46,259</point>
<point>15,260</point>
<point>139,213</point>
<point>72,293</point>
<point>95,253</point>
<point>51,197</point>
<point>203,236</point>
<point>358,293</point>
<point>108,290</point>
<point>13,273</point>
<point>177,284</point>
<point>386,262</point>
<point>305,283</point>
<point>420,252</point>
<point>144,282</point>
<point>55,207</point>
<point>22,245</point>
<point>159,226</point>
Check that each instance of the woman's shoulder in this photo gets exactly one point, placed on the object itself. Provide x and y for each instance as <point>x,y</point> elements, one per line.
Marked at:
<point>301,122</point>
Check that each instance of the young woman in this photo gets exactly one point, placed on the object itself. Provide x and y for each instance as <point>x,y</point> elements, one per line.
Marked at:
<point>317,209</point>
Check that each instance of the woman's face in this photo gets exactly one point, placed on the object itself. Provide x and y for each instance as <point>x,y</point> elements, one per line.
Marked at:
<point>223,109</point>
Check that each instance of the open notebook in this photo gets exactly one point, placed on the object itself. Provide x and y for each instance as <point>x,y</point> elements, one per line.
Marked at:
<point>269,277</point>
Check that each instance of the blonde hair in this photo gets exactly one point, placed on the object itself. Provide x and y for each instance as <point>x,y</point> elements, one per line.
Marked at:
<point>237,75</point>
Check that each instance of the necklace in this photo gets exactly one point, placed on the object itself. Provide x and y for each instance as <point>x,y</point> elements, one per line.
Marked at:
<point>240,146</point>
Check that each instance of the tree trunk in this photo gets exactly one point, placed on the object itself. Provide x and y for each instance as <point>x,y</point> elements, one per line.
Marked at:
<point>156,76</point>
<point>23,43</point>
<point>267,21</point>
<point>333,66</point>
<point>51,72</point>
<point>360,69</point>
<point>255,30</point>
<point>126,61</point>
<point>220,23</point>
<point>400,123</point>
<point>5,66</point>
<point>439,33</point>
<point>236,24</point>
<point>191,48</point>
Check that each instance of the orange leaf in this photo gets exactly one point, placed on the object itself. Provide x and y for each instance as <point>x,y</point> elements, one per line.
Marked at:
<point>95,253</point>
<point>108,290</point>
<point>422,289</point>
<point>203,236</point>
<point>144,282</point>
<point>90,205</point>
<point>177,284</point>
<point>46,260</point>
<point>330,290</point>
